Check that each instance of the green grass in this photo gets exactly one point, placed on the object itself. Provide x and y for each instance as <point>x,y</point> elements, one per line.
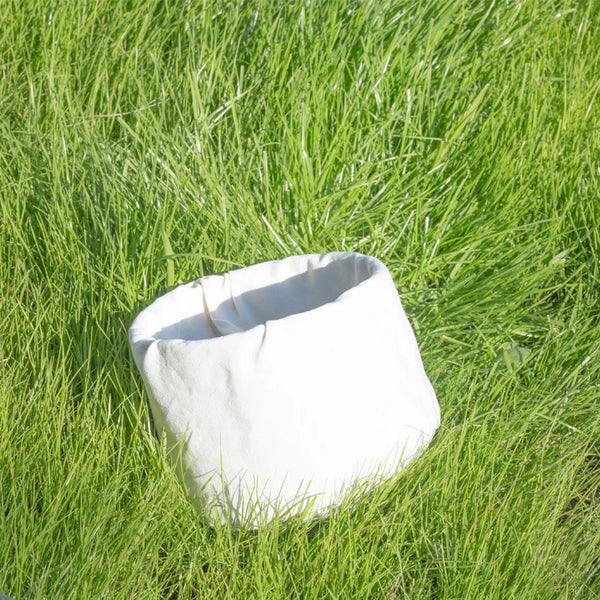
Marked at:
<point>148,143</point>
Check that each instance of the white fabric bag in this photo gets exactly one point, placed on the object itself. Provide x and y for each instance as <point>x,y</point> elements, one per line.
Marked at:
<point>285,383</point>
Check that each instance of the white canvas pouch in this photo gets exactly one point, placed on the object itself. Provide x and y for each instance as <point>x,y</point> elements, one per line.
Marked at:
<point>283,384</point>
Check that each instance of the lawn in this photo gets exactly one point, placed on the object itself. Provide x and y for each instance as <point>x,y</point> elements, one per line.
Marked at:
<point>149,143</point>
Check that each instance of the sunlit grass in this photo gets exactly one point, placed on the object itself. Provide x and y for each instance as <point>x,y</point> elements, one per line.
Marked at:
<point>149,143</point>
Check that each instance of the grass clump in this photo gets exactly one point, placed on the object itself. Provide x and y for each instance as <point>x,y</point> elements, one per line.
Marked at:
<point>150,143</point>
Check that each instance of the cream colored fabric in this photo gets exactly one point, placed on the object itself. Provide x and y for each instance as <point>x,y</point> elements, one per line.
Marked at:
<point>288,382</point>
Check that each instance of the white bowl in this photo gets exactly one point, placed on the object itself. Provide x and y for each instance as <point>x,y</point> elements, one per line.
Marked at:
<point>283,384</point>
